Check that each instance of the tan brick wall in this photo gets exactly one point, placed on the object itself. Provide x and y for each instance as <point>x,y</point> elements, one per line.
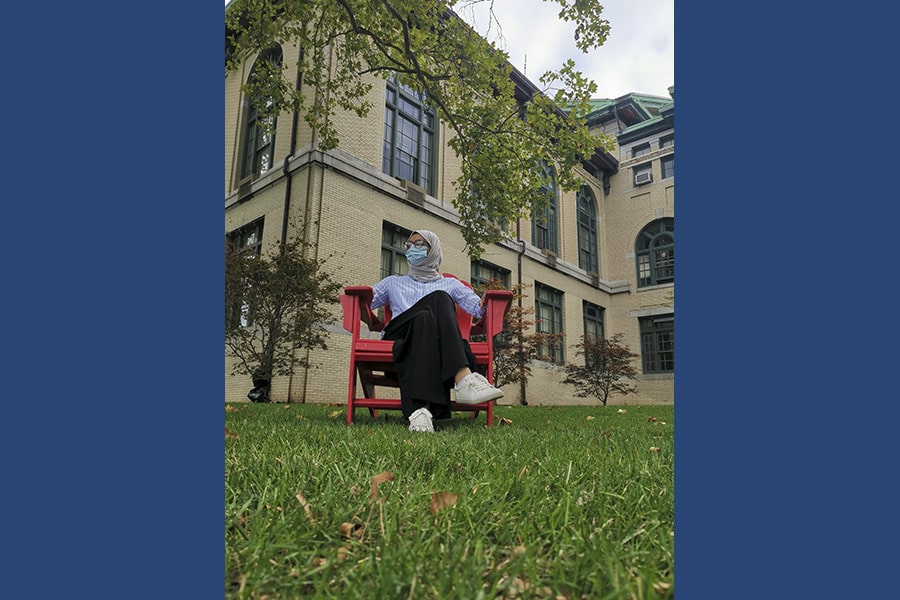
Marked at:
<point>350,198</point>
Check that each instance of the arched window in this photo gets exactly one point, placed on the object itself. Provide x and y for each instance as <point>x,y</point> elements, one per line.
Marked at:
<point>543,225</point>
<point>259,130</point>
<point>587,229</point>
<point>655,252</point>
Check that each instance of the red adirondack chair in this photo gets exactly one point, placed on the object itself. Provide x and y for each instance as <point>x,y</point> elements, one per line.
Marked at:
<point>371,361</point>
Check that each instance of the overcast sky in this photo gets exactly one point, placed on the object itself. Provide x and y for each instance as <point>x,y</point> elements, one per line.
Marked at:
<point>638,56</point>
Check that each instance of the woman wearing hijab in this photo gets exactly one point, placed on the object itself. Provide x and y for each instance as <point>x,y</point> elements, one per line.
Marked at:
<point>429,352</point>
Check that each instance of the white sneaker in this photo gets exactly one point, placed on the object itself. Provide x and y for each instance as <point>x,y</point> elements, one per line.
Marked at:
<point>420,420</point>
<point>475,389</point>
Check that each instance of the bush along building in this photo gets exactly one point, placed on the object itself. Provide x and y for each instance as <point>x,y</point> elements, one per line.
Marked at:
<point>599,261</point>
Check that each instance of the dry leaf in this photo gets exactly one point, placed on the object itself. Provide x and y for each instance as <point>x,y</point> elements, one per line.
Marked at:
<point>589,418</point>
<point>621,411</point>
<point>287,405</point>
<point>442,500</point>
<point>305,506</point>
<point>606,434</point>
<point>342,553</point>
<point>230,434</point>
<point>230,408</point>
<point>318,561</point>
<point>505,421</point>
<point>651,419</point>
<point>349,530</point>
<point>335,413</point>
<point>654,449</point>
<point>378,480</point>
<point>661,587</point>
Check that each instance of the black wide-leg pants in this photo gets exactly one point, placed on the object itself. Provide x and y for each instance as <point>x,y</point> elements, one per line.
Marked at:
<point>428,351</point>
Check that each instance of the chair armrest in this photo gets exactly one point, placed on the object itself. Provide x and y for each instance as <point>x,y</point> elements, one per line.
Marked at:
<point>357,300</point>
<point>496,304</point>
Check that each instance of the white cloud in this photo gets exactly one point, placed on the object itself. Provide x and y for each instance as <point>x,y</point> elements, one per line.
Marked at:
<point>638,56</point>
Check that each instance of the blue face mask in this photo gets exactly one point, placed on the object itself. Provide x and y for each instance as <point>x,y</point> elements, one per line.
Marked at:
<point>416,256</point>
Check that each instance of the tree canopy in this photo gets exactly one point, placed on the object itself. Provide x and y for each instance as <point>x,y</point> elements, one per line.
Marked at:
<point>500,131</point>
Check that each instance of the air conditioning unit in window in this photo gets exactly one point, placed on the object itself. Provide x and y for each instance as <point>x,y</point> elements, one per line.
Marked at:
<point>643,177</point>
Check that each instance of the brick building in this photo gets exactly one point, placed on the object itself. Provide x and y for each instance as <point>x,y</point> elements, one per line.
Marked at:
<point>603,262</point>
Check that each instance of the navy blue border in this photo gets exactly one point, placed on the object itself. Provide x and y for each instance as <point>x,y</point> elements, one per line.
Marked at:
<point>112,305</point>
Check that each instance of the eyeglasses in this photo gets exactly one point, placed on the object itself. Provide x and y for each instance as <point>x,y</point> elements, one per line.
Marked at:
<point>417,244</point>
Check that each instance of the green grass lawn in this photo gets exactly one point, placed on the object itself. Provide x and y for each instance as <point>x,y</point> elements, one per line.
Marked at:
<point>556,502</point>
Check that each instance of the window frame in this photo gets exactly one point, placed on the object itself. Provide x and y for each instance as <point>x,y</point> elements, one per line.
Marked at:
<point>667,166</point>
<point>242,240</point>
<point>481,273</point>
<point>398,99</point>
<point>545,226</point>
<point>640,150</point>
<point>258,141</point>
<point>657,335</point>
<point>393,253</point>
<point>654,253</point>
<point>592,325</point>
<point>588,256</point>
<point>553,300</point>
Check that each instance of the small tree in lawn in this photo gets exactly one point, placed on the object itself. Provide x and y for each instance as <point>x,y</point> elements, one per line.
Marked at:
<point>517,345</point>
<point>608,365</point>
<point>275,304</point>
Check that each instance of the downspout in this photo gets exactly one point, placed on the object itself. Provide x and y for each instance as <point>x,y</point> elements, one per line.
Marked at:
<point>519,239</point>
<point>287,186</point>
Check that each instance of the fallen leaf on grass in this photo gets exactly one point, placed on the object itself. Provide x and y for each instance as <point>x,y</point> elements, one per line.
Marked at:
<point>287,405</point>
<point>661,587</point>
<point>305,506</point>
<point>654,449</point>
<point>606,434</point>
<point>342,553</point>
<point>442,500</point>
<point>378,480</point>
<point>230,408</point>
<point>621,411</point>
<point>230,434</point>
<point>505,421</point>
<point>589,418</point>
<point>651,419</point>
<point>349,530</point>
<point>335,413</point>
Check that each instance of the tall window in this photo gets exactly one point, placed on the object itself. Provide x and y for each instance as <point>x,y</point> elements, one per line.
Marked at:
<point>393,254</point>
<point>655,252</point>
<point>543,224</point>
<point>259,131</point>
<point>248,241</point>
<point>548,308</point>
<point>483,273</point>
<point>408,136</point>
<point>593,324</point>
<point>587,229</point>
<point>658,344</point>
<point>667,166</point>
<point>593,320</point>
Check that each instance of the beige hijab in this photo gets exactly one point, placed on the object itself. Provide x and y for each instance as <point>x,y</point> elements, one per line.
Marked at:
<point>428,270</point>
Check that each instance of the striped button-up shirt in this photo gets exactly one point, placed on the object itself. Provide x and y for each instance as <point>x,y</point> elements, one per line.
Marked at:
<point>402,291</point>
